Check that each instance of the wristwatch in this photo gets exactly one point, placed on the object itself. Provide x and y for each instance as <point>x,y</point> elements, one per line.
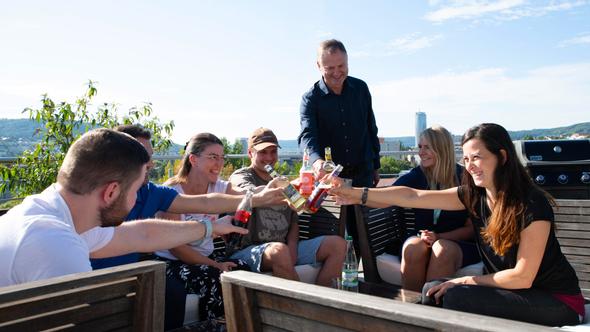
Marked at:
<point>364,196</point>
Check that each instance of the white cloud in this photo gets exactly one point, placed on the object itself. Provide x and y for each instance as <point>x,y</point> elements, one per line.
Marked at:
<point>579,40</point>
<point>402,45</point>
<point>542,98</point>
<point>497,10</point>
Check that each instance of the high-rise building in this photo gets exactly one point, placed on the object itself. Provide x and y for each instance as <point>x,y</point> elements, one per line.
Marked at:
<point>420,125</point>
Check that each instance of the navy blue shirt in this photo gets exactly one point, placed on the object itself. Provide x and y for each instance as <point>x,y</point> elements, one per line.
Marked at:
<point>151,198</point>
<point>447,221</point>
<point>345,123</point>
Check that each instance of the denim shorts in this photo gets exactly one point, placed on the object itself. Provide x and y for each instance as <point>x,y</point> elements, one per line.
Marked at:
<point>306,253</point>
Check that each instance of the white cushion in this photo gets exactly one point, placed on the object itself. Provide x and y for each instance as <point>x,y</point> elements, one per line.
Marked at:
<point>388,267</point>
<point>307,273</point>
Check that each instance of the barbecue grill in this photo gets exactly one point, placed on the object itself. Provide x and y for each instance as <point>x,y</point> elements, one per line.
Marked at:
<point>561,167</point>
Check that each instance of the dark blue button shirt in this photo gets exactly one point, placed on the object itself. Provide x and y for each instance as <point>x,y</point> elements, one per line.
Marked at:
<point>344,122</point>
<point>151,198</point>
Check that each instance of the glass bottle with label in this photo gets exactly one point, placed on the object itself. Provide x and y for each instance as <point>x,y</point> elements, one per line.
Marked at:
<point>306,179</point>
<point>289,191</point>
<point>320,192</point>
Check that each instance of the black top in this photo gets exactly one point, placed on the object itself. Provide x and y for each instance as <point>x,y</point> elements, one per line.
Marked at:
<point>555,273</point>
<point>344,122</point>
<point>447,221</point>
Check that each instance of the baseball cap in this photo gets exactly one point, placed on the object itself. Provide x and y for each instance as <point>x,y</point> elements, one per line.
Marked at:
<point>262,138</point>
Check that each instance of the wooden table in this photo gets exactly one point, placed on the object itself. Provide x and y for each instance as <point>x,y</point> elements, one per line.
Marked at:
<point>389,291</point>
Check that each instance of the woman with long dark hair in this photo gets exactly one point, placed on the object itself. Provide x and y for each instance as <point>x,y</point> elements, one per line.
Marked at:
<point>528,277</point>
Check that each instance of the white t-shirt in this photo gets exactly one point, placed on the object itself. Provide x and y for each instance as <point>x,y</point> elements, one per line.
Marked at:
<point>38,240</point>
<point>205,248</point>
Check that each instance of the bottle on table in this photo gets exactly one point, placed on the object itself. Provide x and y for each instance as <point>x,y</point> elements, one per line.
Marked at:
<point>350,269</point>
<point>240,219</point>
<point>289,191</point>
<point>306,179</point>
<point>328,165</point>
<point>319,194</point>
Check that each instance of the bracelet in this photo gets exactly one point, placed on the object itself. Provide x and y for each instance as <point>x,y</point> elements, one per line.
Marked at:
<point>208,232</point>
<point>364,196</point>
<point>208,229</point>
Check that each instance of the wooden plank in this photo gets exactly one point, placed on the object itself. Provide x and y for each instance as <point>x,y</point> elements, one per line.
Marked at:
<point>313,317</point>
<point>572,234</point>
<point>577,218</point>
<point>74,315</point>
<point>108,323</point>
<point>580,267</point>
<point>294,323</point>
<point>577,251</point>
<point>573,202</point>
<point>13,310</point>
<point>241,310</point>
<point>565,242</point>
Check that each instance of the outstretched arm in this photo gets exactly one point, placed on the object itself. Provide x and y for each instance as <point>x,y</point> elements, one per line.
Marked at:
<point>156,234</point>
<point>401,196</point>
<point>219,203</point>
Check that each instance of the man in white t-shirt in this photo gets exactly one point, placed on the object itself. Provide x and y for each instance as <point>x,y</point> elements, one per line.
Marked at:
<point>54,233</point>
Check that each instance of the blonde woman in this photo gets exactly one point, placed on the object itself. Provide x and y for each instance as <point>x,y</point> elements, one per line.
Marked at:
<point>444,242</point>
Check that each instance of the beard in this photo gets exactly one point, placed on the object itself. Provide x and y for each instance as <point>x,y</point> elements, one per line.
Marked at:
<point>114,214</point>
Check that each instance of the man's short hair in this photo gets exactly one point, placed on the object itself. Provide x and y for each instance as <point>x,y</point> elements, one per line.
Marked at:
<point>134,130</point>
<point>331,46</point>
<point>101,156</point>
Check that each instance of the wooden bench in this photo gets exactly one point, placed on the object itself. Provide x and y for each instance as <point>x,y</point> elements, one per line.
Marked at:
<point>381,229</point>
<point>123,298</point>
<point>255,302</point>
<point>572,228</point>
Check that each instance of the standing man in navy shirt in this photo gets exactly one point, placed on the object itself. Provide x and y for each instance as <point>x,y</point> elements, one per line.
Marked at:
<point>337,112</point>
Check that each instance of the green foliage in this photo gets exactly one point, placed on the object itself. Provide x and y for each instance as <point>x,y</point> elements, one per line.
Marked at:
<point>62,123</point>
<point>390,165</point>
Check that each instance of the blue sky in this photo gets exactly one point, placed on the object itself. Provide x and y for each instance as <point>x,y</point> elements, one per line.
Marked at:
<point>228,67</point>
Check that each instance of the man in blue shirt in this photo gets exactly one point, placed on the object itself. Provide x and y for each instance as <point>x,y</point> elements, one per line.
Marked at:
<point>337,112</point>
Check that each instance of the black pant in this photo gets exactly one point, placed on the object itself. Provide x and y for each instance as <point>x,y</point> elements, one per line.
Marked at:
<point>527,305</point>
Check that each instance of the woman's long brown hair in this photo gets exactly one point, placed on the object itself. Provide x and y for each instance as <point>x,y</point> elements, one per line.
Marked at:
<point>512,184</point>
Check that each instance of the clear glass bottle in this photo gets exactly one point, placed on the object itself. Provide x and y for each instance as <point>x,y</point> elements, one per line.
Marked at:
<point>328,165</point>
<point>350,269</point>
<point>289,191</point>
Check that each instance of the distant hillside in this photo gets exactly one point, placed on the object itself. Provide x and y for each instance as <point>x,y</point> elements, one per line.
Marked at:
<point>578,128</point>
<point>17,135</point>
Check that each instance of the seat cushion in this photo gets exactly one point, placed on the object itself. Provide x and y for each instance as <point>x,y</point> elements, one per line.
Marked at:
<point>389,267</point>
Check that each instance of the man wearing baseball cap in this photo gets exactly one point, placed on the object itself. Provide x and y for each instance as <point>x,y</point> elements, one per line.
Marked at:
<point>273,240</point>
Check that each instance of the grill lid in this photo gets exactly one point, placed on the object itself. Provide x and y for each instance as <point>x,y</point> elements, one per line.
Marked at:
<point>553,151</point>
